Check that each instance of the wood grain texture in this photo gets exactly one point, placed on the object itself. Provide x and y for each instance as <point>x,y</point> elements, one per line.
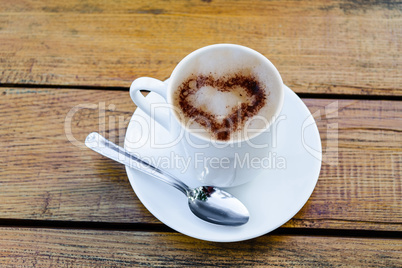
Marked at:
<point>47,174</point>
<point>342,47</point>
<point>88,248</point>
<point>362,157</point>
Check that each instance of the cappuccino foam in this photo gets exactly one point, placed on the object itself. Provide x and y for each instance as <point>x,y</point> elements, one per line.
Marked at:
<point>224,94</point>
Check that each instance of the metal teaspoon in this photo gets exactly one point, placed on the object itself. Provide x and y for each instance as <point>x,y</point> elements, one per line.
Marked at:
<point>206,202</point>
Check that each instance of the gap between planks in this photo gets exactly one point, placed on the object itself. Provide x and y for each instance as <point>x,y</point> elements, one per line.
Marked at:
<point>110,226</point>
<point>301,95</point>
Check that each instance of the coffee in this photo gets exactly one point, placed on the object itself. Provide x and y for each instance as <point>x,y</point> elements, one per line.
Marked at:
<point>221,104</point>
<point>218,106</point>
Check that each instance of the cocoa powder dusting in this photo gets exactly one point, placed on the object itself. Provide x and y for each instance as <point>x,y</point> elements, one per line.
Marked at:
<point>238,115</point>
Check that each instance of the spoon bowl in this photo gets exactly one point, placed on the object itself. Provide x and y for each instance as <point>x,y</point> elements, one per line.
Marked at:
<point>208,203</point>
<point>217,206</point>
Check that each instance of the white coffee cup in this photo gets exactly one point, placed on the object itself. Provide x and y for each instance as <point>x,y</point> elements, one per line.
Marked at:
<point>222,163</point>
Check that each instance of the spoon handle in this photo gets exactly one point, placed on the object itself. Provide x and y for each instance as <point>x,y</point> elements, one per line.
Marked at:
<point>101,145</point>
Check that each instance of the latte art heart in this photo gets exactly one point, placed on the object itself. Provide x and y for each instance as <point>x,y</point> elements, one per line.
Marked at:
<point>221,105</point>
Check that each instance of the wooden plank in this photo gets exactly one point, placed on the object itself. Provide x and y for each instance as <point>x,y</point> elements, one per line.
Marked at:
<point>77,248</point>
<point>362,157</point>
<point>44,176</point>
<point>318,46</point>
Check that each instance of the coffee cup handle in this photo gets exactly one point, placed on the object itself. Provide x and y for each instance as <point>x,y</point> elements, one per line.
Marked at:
<point>153,85</point>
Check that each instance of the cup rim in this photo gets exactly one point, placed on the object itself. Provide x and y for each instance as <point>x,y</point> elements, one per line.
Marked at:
<point>189,57</point>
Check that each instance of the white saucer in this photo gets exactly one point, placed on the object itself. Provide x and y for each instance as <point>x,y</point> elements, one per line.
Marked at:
<point>272,198</point>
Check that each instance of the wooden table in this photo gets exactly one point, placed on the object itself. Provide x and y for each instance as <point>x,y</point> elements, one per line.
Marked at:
<point>70,63</point>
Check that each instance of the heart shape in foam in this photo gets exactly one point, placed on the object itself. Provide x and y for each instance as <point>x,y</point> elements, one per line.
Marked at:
<point>246,89</point>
